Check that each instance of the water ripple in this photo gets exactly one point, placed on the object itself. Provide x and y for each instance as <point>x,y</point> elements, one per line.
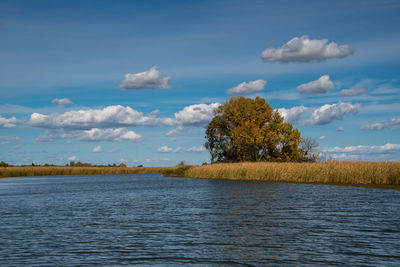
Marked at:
<point>147,219</point>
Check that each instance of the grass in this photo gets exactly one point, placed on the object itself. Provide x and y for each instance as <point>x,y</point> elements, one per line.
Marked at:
<point>375,174</point>
<point>371,174</point>
<point>56,170</point>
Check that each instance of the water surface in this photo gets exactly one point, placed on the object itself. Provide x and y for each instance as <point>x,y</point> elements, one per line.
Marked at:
<point>147,219</point>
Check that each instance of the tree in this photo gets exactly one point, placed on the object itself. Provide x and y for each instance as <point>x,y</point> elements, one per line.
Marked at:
<point>308,148</point>
<point>3,164</point>
<point>244,129</point>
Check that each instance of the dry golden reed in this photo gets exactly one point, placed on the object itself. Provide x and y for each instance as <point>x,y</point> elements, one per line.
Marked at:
<point>332,172</point>
<point>56,170</point>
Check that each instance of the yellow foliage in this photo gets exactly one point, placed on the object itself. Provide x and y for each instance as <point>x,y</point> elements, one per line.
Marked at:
<point>250,130</point>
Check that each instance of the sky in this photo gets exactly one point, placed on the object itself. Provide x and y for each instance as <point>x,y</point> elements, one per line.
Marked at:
<point>136,82</point>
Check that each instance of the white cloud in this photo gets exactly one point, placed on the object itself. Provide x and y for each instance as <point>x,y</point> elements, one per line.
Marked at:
<point>81,119</point>
<point>174,131</point>
<point>97,149</point>
<point>304,50</point>
<point>4,140</point>
<point>72,158</point>
<point>196,149</point>
<point>328,113</point>
<point>351,92</point>
<point>393,124</point>
<point>340,129</point>
<point>120,134</point>
<point>155,112</point>
<point>292,114</point>
<point>112,116</point>
<point>323,137</point>
<point>320,86</point>
<point>196,114</point>
<point>145,80</point>
<point>94,134</point>
<point>365,149</point>
<point>247,88</point>
<point>177,149</point>
<point>61,101</point>
<point>9,138</point>
<point>166,149</point>
<point>7,123</point>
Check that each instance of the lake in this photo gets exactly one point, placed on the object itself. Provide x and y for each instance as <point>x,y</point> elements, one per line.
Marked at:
<point>148,219</point>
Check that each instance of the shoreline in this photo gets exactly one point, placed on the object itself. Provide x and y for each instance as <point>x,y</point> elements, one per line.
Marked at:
<point>382,175</point>
<point>376,186</point>
<point>385,175</point>
<point>27,171</point>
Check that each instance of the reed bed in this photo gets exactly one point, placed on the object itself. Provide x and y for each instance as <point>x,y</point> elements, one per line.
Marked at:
<point>56,170</point>
<point>333,172</point>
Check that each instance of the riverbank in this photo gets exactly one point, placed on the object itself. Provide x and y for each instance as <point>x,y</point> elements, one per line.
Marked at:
<point>366,174</point>
<point>369,174</point>
<point>65,170</point>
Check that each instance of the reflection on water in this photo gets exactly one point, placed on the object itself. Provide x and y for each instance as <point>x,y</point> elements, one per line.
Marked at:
<point>147,219</point>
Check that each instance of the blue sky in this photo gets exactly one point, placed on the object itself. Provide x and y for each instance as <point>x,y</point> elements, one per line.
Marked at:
<point>136,81</point>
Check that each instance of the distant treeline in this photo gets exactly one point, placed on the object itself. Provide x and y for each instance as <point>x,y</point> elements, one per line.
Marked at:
<point>84,164</point>
<point>18,171</point>
<point>70,164</point>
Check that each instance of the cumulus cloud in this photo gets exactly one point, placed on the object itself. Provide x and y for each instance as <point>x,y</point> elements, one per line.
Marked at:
<point>320,86</point>
<point>166,149</point>
<point>351,92</point>
<point>72,158</point>
<point>304,50</point>
<point>248,87</point>
<point>196,149</point>
<point>292,114</point>
<point>174,131</point>
<point>365,149</point>
<point>340,129</point>
<point>97,149</point>
<point>323,137</point>
<point>120,134</point>
<point>328,113</point>
<point>151,79</point>
<point>61,101</point>
<point>7,123</point>
<point>94,134</point>
<point>393,124</point>
<point>113,116</point>
<point>196,114</point>
<point>81,119</point>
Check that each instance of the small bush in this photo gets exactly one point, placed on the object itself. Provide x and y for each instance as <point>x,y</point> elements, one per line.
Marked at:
<point>178,172</point>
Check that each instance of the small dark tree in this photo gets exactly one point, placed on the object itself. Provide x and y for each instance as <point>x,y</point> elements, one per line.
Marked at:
<point>3,164</point>
<point>308,148</point>
<point>181,163</point>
